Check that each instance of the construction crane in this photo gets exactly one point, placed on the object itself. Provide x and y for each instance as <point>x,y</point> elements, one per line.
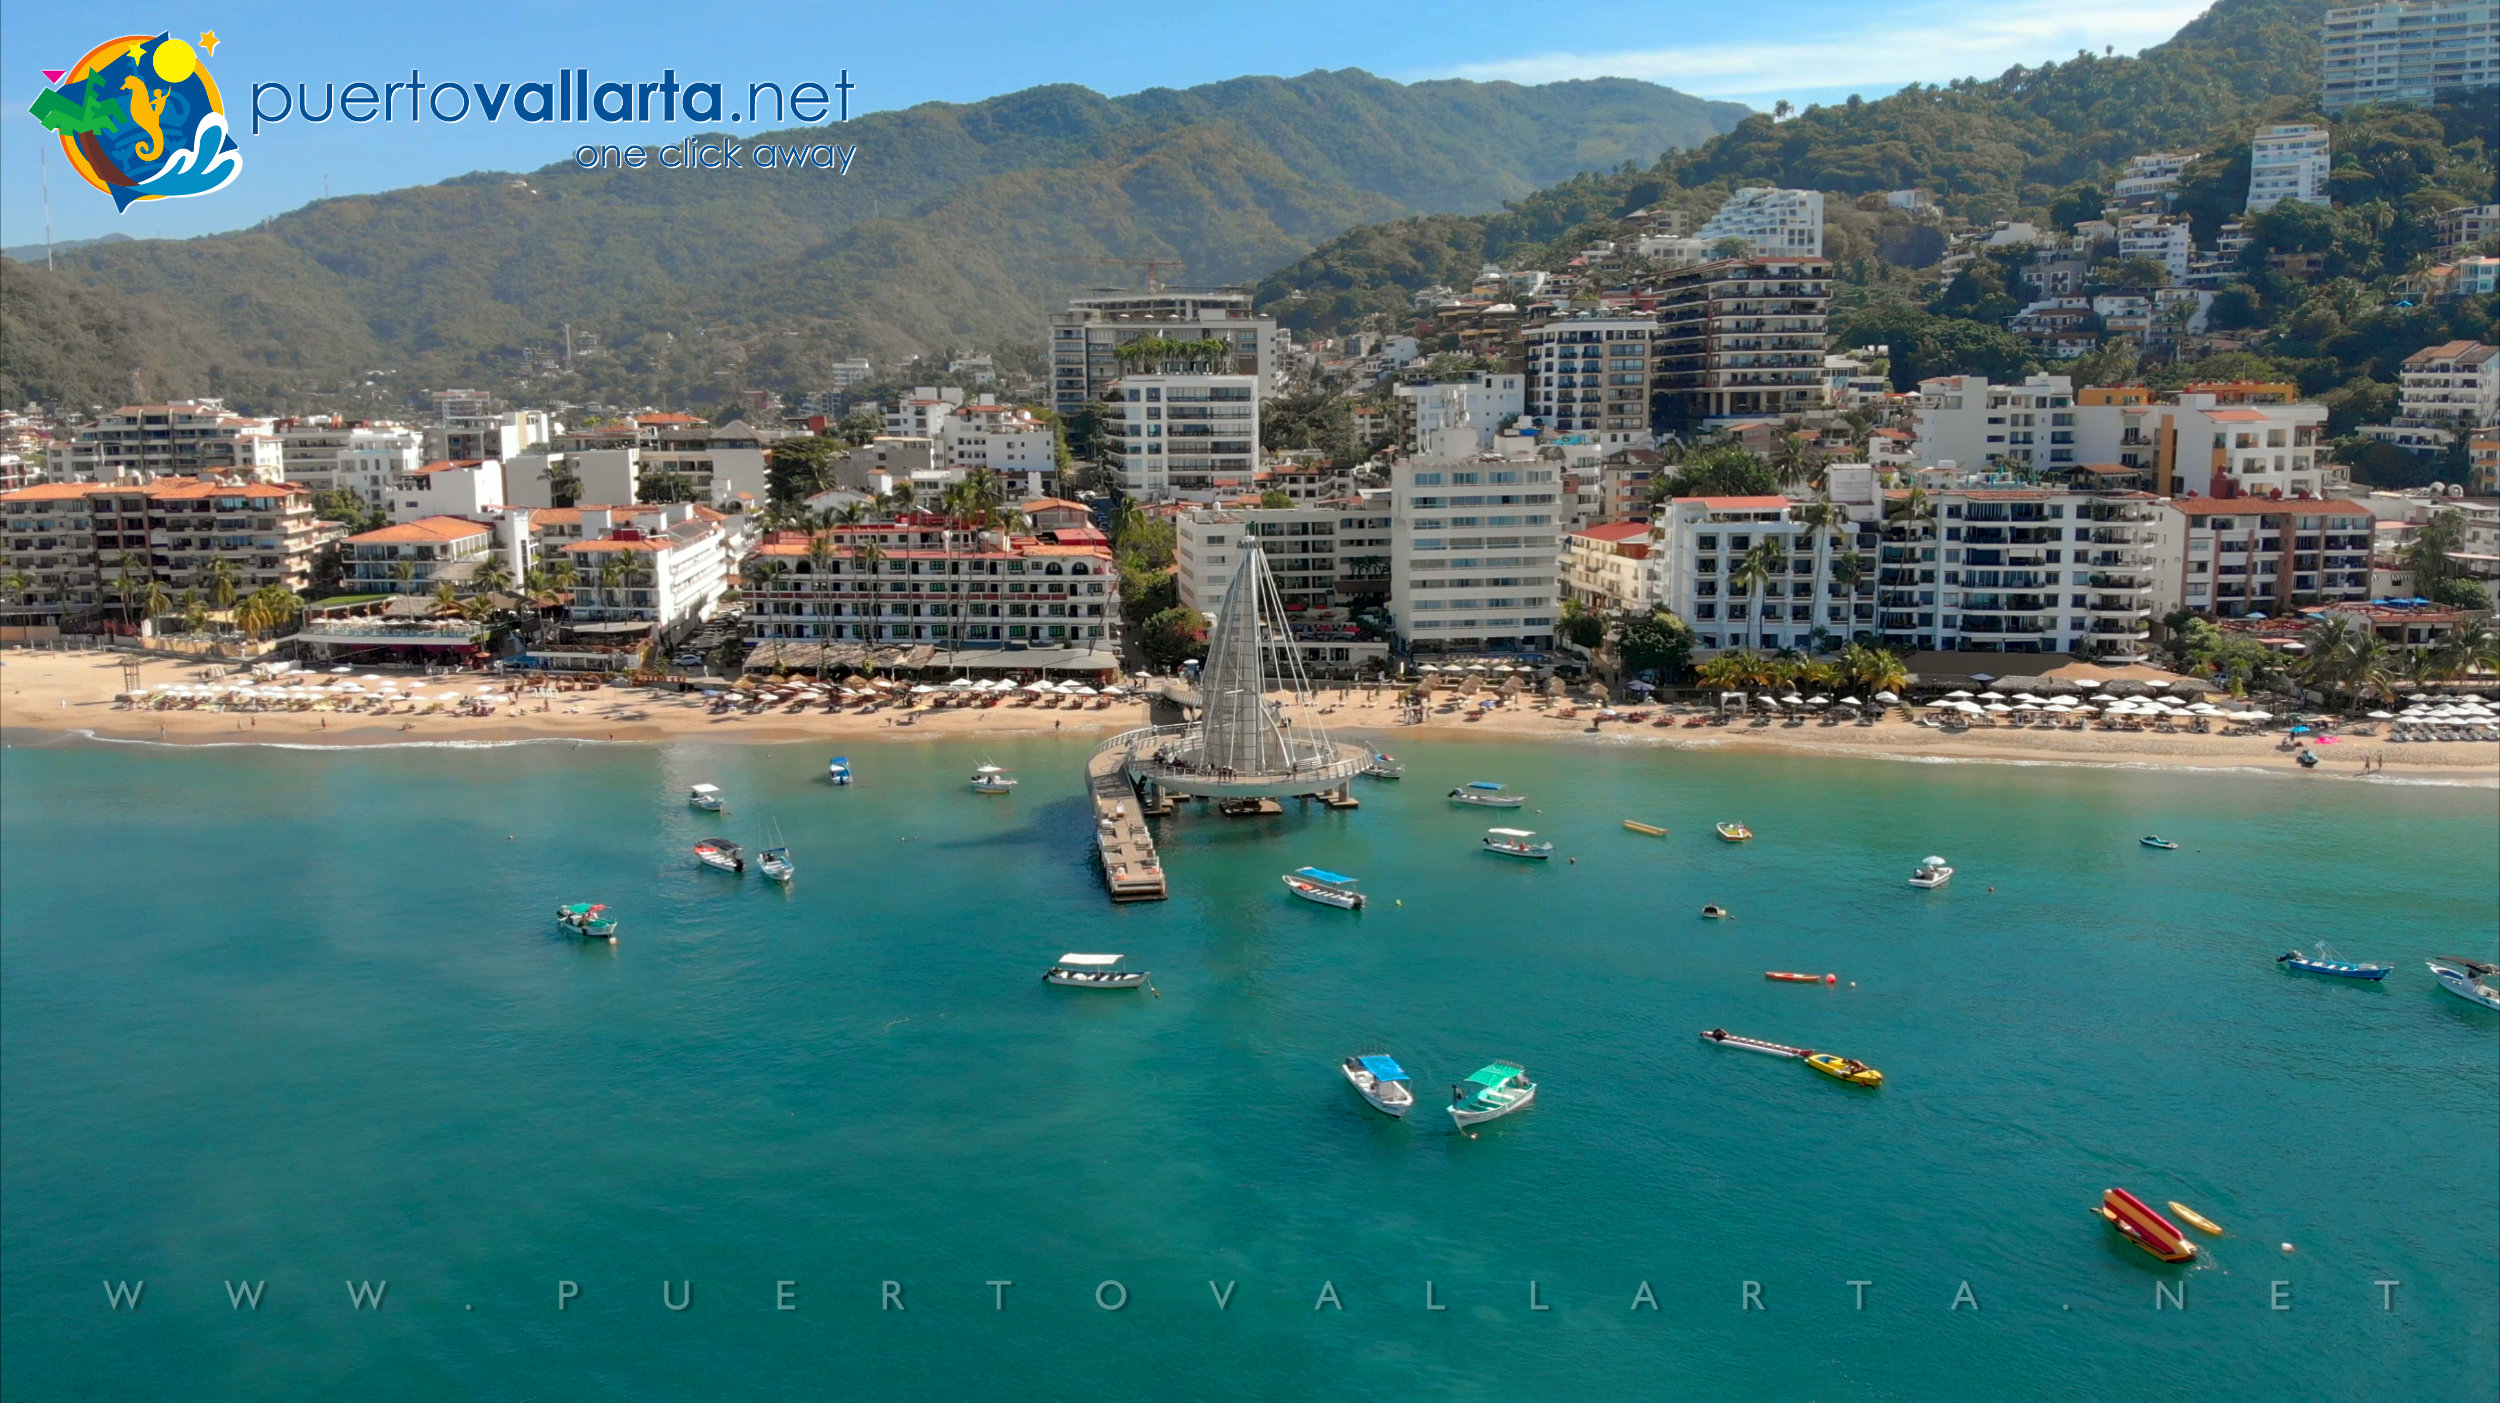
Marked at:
<point>1154,281</point>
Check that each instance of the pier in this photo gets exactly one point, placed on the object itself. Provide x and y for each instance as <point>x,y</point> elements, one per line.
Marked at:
<point>1121,839</point>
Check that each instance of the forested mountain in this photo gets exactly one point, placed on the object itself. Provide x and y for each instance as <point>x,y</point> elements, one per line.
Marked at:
<point>1988,149</point>
<point>958,225</point>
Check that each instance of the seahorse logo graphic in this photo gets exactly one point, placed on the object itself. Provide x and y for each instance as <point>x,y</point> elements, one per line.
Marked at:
<point>141,119</point>
<point>149,116</point>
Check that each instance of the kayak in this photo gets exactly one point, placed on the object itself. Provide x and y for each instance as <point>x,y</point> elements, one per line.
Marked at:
<point>1846,1069</point>
<point>2195,1219</point>
<point>1801,978</point>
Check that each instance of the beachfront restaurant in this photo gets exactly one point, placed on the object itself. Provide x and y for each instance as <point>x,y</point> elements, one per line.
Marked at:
<point>832,656</point>
<point>386,629</point>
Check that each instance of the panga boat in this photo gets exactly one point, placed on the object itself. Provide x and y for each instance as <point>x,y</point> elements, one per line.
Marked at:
<point>1494,1090</point>
<point>2139,1224</point>
<point>2195,1219</point>
<point>1325,887</point>
<point>1931,874</point>
<point>1093,972</point>
<point>775,863</point>
<point>1795,978</point>
<point>1486,796</point>
<point>722,854</point>
<point>1724,1038</point>
<point>1513,842</point>
<point>586,918</point>
<point>1382,1081</point>
<point>2327,962</point>
<point>2154,841</point>
<point>1651,829</point>
<point>1385,766</point>
<point>838,769</point>
<point>1848,1069</point>
<point>992,779</point>
<point>2467,979</point>
<point>1735,832</point>
<point>705,797</point>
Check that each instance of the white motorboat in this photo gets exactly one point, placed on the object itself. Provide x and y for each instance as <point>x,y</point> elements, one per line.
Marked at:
<point>1093,972</point>
<point>774,861</point>
<point>1931,874</point>
<point>1385,766</point>
<point>992,779</point>
<point>721,855</point>
<point>2467,979</point>
<point>705,797</point>
<point>1486,796</point>
<point>1382,1082</point>
<point>838,769</point>
<point>1325,887</point>
<point>1514,842</point>
<point>1496,1089</point>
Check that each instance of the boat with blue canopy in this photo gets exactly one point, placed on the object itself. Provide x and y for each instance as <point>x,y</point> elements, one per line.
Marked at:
<point>838,769</point>
<point>2327,962</point>
<point>1382,1082</point>
<point>1325,887</point>
<point>1486,796</point>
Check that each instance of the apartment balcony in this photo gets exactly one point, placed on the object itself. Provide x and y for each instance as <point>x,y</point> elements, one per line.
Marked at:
<point>2132,630</point>
<point>2100,580</point>
<point>2129,605</point>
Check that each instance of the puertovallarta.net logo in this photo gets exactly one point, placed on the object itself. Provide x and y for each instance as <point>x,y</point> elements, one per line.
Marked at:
<point>141,119</point>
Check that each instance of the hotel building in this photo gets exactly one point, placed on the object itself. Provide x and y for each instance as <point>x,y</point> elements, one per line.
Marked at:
<point>2408,52</point>
<point>928,581</point>
<point>1701,544</point>
<point>360,459</point>
<point>2236,558</point>
<point>1773,223</point>
<point>1590,376</point>
<point>1086,337</point>
<point>1177,435</point>
<point>2288,163</point>
<point>1742,338</point>
<point>77,543</point>
<point>2019,569</point>
<point>1329,559</point>
<point>187,438</point>
<point>1473,545</point>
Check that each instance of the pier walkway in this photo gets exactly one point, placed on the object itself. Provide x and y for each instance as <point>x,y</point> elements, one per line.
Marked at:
<point>1130,867</point>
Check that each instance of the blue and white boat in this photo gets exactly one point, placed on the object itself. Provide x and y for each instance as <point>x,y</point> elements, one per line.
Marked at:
<point>1486,796</point>
<point>2467,979</point>
<point>838,769</point>
<point>1385,766</point>
<point>2327,962</point>
<point>1325,887</point>
<point>1381,1081</point>
<point>2152,840</point>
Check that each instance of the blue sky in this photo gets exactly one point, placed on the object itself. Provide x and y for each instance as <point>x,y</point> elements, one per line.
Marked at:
<point>934,50</point>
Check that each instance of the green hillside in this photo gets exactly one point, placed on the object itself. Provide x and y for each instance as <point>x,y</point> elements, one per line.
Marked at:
<point>959,224</point>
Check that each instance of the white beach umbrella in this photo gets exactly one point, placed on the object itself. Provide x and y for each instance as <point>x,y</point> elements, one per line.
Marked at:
<point>1851,701</point>
<point>1818,701</point>
<point>2158,683</point>
<point>1887,698</point>
<point>1037,686</point>
<point>1992,696</point>
<point>960,682</point>
<point>1079,689</point>
<point>1957,696</point>
<point>2260,716</point>
<point>1792,699</point>
<point>1998,708</point>
<point>2382,716</point>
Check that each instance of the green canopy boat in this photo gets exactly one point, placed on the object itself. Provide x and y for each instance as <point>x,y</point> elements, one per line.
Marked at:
<point>1494,1090</point>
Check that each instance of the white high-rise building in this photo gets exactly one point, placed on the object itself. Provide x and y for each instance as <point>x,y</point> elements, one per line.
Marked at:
<point>1773,223</point>
<point>1701,544</point>
<point>1474,542</point>
<point>2409,52</point>
<point>1481,401</point>
<point>1183,435</point>
<point>1085,339</point>
<point>2168,241</point>
<point>2288,163</point>
<point>1591,375</point>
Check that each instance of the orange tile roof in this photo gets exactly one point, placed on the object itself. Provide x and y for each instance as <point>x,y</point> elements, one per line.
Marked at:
<point>187,490</point>
<point>54,491</point>
<point>1619,530</point>
<point>424,529</point>
<point>2267,506</point>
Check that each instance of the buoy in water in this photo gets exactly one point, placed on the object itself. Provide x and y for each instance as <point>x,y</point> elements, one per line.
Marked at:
<point>1834,979</point>
<point>2287,1247</point>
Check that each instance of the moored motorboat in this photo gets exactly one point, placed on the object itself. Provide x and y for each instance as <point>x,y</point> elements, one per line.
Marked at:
<point>1651,829</point>
<point>1093,972</point>
<point>1385,766</point>
<point>775,863</point>
<point>1496,1089</point>
<point>1486,796</point>
<point>2151,840</point>
<point>586,918</point>
<point>1724,1038</point>
<point>721,855</point>
<point>1514,842</point>
<point>1382,1082</point>
<point>1848,1069</point>
<point>1734,832</point>
<point>992,779</point>
<point>2139,1224</point>
<point>1325,887</point>
<point>706,797</point>
<point>1931,874</point>
<point>2327,962</point>
<point>1794,978</point>
<point>1716,912</point>
<point>2470,980</point>
<point>838,769</point>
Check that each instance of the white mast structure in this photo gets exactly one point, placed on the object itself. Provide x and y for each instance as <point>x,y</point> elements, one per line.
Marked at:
<point>1242,743</point>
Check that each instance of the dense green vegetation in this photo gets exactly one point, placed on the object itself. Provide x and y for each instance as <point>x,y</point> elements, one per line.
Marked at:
<point>958,223</point>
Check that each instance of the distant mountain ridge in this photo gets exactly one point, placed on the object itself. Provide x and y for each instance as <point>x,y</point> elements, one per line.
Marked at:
<point>961,224</point>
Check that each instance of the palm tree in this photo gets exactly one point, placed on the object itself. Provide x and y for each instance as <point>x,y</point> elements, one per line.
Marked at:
<point>866,555</point>
<point>220,579</point>
<point>1792,460</point>
<point>2468,647</point>
<point>403,571</point>
<point>1750,575</point>
<point>16,584</point>
<point>154,599</point>
<point>492,576</point>
<point>126,583</point>
<point>446,598</point>
<point>1823,519</point>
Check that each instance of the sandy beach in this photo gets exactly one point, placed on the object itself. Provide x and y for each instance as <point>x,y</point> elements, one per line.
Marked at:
<point>66,693</point>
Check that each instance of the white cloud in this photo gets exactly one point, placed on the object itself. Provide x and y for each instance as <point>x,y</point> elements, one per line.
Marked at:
<point>1927,44</point>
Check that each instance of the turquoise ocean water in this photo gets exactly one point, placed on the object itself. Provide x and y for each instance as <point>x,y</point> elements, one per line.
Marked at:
<point>300,1018</point>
